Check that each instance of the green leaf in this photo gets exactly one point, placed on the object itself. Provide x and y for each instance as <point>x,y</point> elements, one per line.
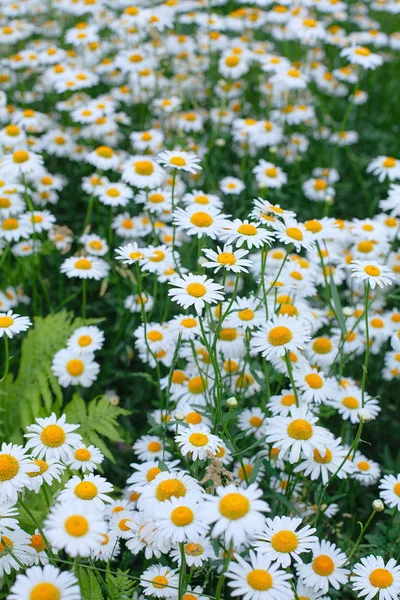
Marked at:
<point>337,305</point>
<point>89,585</point>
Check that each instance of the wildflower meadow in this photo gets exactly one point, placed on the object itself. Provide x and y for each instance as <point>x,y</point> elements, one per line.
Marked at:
<point>199,302</point>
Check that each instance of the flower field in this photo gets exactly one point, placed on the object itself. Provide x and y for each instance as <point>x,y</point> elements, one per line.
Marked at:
<point>199,305</point>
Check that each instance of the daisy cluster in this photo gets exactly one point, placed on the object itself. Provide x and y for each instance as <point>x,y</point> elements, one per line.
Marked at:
<point>178,170</point>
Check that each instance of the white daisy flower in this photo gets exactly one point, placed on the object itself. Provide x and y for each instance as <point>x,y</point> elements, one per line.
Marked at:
<point>11,324</point>
<point>280,335</point>
<point>150,447</point>
<point>164,487</point>
<point>366,471</point>
<point>159,581</point>
<point>360,55</point>
<point>14,468</point>
<point>195,221</point>
<point>75,368</point>
<point>326,567</point>
<point>115,194</point>
<point>86,340</point>
<point>13,229</point>
<point>258,578</point>
<point>324,463</point>
<point>15,551</point>
<point>373,577</point>
<point>52,438</point>
<point>85,267</point>
<point>178,520</point>
<point>243,232</point>
<point>197,550</point>
<point>373,272</point>
<point>197,441</point>
<point>314,385</point>
<point>92,491</point>
<point>103,158</point>
<point>143,172</point>
<point>48,471</point>
<point>227,258</point>
<point>85,458</point>
<point>130,253</point>
<point>195,290</point>
<point>231,186</point>
<point>269,175</point>
<point>109,547</point>
<point>292,232</point>
<point>181,160</point>
<point>389,490</point>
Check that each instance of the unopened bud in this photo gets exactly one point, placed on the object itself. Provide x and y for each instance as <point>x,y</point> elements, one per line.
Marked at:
<point>378,505</point>
<point>220,142</point>
<point>202,261</point>
<point>232,402</point>
<point>348,311</point>
<point>329,199</point>
<point>364,415</point>
<point>179,416</point>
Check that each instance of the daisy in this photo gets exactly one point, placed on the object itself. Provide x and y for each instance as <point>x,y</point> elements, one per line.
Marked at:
<point>159,581</point>
<point>11,324</point>
<point>326,567</point>
<point>251,420</point>
<point>52,438</point>
<point>22,163</point>
<point>145,472</point>
<point>150,447</point>
<point>86,458</point>
<point>314,385</point>
<point>360,55</point>
<point>258,578</point>
<point>385,166</point>
<point>38,549</point>
<point>196,291</point>
<point>281,540</point>
<point>390,490</point>
<point>130,253</point>
<point>197,441</point>
<point>178,520</point>
<point>15,551</point>
<point>280,335</point>
<point>243,232</point>
<point>14,468</point>
<point>85,267</point>
<point>8,511</point>
<point>86,340</point>
<point>13,229</point>
<point>39,221</point>
<point>227,258</point>
<point>324,463</point>
<point>365,471</point>
<point>103,158</point>
<point>185,325</point>
<point>94,244</point>
<point>75,368</point>
<point>48,471</point>
<point>268,175</point>
<point>293,232</point>
<point>373,272</point>
<point>143,172</point>
<point>115,194</point>
<point>231,186</point>
<point>282,403</point>
<point>348,402</point>
<point>195,221</point>
<point>236,512</point>
<point>177,159</point>
<point>372,576</point>
<point>296,435</point>
<point>74,528</point>
<point>109,547</point>
<point>92,491</point>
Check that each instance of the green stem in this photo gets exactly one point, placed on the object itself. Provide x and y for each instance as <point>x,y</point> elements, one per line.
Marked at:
<point>367,347</point>
<point>360,537</point>
<point>7,358</point>
<point>290,373</point>
<point>182,571</point>
<point>222,576</point>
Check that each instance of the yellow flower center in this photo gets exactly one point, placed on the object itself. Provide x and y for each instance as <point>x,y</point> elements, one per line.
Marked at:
<point>350,402</point>
<point>322,345</point>
<point>86,490</point>
<point>154,446</point>
<point>362,51</point>
<point>196,289</point>
<point>43,466</point>
<point>193,418</point>
<point>300,429</point>
<point>182,516</point>
<point>45,591</point>
<point>248,469</point>
<point>285,541</point>
<point>228,334</point>
<point>5,202</point>
<point>247,229</point>
<point>323,460</point>
<point>177,161</point>
<point>82,454</point>
<point>127,224</point>
<point>280,335</point>
<point>196,385</point>
<point>323,565</point>
<point>320,185</point>
<point>255,421</point>
<point>396,489</point>
<point>20,156</point>
<point>309,22</point>
<point>9,467</point>
<point>389,162</point>
<point>377,323</point>
<point>259,580</point>
<point>84,340</point>
<point>314,381</point>
<point>271,172</point>
<point>313,225</point>
<point>6,545</point>
<point>226,258</point>
<point>234,506</point>
<point>12,130</point>
<point>295,233</point>
<point>246,315</point>
<point>154,336</point>
<point>381,578</point>
<point>76,526</point>
<point>288,400</point>
<point>372,271</point>
<point>75,367</point>
<point>232,61</point>
<point>294,73</point>
<point>363,465</point>
<point>84,264</point>
<point>52,436</point>
<point>156,198</point>
<point>194,550</point>
<point>201,219</point>
<point>104,151</point>
<point>170,488</point>
<point>6,322</point>
<point>96,245</point>
<point>160,582</point>
<point>10,224</point>
<point>198,439</point>
<point>144,167</point>
<point>37,543</point>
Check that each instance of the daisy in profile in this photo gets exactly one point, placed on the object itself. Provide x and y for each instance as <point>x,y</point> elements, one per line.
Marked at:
<point>228,259</point>
<point>178,520</point>
<point>159,581</point>
<point>390,490</point>
<point>75,528</point>
<point>280,335</point>
<point>103,158</point>
<point>178,159</point>
<point>281,540</point>
<point>75,368</point>
<point>373,272</point>
<point>385,166</point>
<point>15,551</point>
<point>92,491</point>
<point>258,577</point>
<point>85,267</point>
<point>366,471</point>
<point>296,435</point>
<point>14,468</point>
<point>373,577</point>
<point>11,324</point>
<point>45,582</point>
<point>47,471</point>
<point>197,441</point>
<point>143,172</point>
<point>243,232</point>
<point>236,512</point>
<point>326,568</point>
<point>85,458</point>
<point>196,291</point>
<point>52,438</point>
<point>86,340</point>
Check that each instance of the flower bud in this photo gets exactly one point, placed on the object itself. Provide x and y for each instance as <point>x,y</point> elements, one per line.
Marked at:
<point>220,142</point>
<point>378,505</point>
<point>364,415</point>
<point>179,416</point>
<point>232,402</point>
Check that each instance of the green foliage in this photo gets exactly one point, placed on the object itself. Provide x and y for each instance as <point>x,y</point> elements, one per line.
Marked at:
<point>35,391</point>
<point>97,420</point>
<point>119,585</point>
<point>90,587</point>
